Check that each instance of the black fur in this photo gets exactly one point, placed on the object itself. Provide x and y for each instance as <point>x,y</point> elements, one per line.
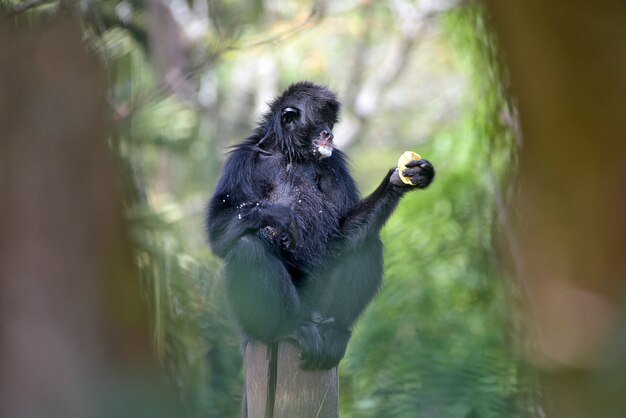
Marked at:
<point>302,249</point>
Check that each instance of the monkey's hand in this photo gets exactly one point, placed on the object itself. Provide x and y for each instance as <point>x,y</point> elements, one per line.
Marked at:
<point>279,226</point>
<point>420,172</point>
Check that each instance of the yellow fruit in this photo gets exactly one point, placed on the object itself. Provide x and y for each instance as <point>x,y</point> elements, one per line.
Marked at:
<point>405,158</point>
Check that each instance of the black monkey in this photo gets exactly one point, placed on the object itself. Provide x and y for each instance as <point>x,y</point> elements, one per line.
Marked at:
<point>302,250</point>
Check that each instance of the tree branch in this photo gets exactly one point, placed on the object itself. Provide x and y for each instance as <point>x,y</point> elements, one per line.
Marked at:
<point>27,5</point>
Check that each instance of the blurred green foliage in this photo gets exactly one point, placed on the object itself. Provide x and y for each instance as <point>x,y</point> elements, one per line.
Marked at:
<point>440,340</point>
<point>436,341</point>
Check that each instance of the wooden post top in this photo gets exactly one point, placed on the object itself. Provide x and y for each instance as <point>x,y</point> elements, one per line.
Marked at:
<point>276,386</point>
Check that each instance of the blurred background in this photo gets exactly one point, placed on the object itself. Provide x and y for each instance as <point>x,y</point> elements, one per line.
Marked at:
<point>503,293</point>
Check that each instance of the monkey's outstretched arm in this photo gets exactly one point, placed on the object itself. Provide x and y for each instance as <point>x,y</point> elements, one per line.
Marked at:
<point>369,215</point>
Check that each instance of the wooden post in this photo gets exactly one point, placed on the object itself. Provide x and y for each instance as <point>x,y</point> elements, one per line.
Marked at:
<point>276,386</point>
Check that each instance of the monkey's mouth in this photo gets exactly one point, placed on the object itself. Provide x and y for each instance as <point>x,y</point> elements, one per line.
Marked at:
<point>323,149</point>
<point>323,146</point>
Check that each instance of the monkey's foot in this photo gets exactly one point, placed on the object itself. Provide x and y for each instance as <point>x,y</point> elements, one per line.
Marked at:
<point>322,347</point>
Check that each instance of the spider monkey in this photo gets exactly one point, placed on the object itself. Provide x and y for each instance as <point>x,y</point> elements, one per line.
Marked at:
<point>302,251</point>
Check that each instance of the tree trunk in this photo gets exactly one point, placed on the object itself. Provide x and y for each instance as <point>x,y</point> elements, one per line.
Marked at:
<point>74,330</point>
<point>567,66</point>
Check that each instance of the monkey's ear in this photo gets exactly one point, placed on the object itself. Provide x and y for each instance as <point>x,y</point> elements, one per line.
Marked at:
<point>289,115</point>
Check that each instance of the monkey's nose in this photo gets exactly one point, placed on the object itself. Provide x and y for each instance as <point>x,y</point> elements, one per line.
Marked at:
<point>326,135</point>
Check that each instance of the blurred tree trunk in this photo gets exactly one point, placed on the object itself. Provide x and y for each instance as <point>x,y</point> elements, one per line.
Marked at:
<point>73,328</point>
<point>567,63</point>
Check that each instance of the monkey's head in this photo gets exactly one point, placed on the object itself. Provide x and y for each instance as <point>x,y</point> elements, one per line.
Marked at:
<point>300,121</point>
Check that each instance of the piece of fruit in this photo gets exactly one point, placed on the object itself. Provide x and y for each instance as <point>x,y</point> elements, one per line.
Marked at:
<point>405,158</point>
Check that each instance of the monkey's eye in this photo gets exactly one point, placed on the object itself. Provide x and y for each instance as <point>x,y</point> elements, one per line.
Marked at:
<point>289,115</point>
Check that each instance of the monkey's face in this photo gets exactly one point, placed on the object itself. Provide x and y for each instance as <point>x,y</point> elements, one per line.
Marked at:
<point>314,135</point>
<point>307,113</point>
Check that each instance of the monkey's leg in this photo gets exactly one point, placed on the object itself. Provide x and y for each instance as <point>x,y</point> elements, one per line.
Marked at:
<point>338,296</point>
<point>260,290</point>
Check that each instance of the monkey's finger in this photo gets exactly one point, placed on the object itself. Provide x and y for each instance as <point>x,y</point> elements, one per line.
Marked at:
<point>416,179</point>
<point>287,243</point>
<point>413,163</point>
<point>411,172</point>
<point>305,359</point>
<point>309,361</point>
<point>419,163</point>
